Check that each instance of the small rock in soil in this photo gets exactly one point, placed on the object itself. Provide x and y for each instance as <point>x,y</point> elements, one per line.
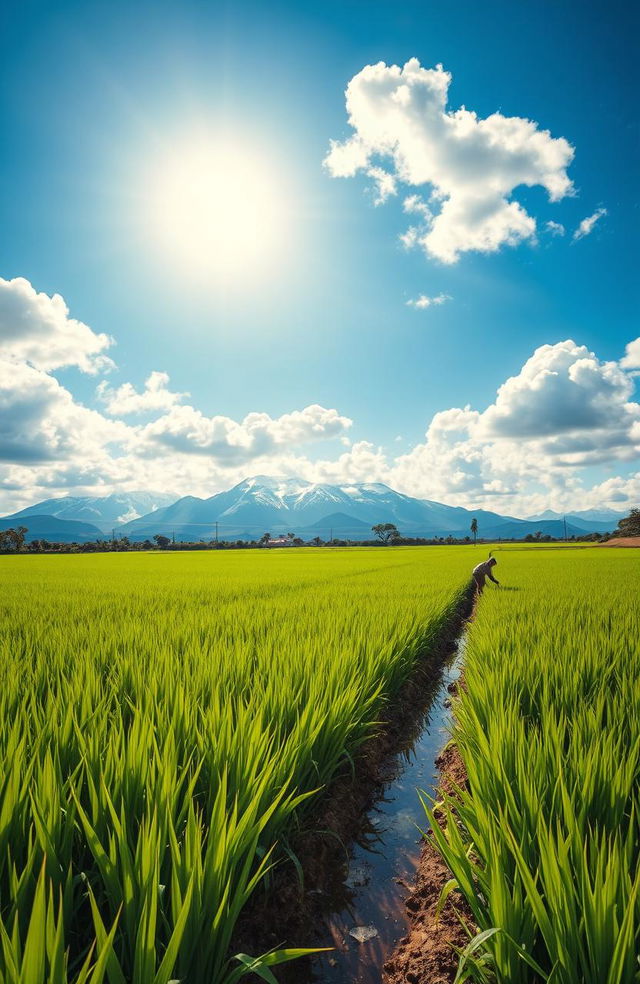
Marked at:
<point>363,933</point>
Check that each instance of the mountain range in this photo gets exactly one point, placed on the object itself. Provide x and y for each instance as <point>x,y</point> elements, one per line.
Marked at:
<point>105,512</point>
<point>266,504</point>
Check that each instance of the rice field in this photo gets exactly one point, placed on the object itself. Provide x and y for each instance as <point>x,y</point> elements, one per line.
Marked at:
<point>166,721</point>
<point>545,844</point>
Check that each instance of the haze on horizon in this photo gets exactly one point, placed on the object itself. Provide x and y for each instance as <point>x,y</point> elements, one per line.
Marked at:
<point>321,242</point>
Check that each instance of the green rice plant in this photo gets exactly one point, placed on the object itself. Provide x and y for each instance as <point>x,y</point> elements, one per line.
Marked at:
<point>166,723</point>
<point>544,845</point>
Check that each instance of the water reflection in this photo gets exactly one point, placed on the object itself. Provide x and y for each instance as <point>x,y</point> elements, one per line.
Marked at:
<point>371,889</point>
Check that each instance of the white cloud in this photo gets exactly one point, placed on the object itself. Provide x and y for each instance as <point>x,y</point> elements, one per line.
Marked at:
<point>50,442</point>
<point>385,183</point>
<point>37,329</point>
<point>415,204</point>
<point>125,399</point>
<point>187,430</point>
<point>555,228</point>
<point>631,359</point>
<point>564,394</point>
<point>422,302</point>
<point>40,420</point>
<point>565,409</point>
<point>586,226</point>
<point>470,166</point>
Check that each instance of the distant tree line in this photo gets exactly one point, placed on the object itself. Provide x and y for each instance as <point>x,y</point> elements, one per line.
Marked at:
<point>386,535</point>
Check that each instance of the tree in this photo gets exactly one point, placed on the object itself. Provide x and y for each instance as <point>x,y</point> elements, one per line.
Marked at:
<point>317,541</point>
<point>630,525</point>
<point>474,529</point>
<point>12,539</point>
<point>162,541</point>
<point>386,532</point>
<point>264,539</point>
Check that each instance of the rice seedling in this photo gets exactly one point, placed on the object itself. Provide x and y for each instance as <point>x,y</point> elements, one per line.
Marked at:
<point>164,722</point>
<point>545,843</point>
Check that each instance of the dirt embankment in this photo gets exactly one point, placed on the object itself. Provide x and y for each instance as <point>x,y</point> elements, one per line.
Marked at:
<point>287,913</point>
<point>426,954</point>
<point>622,541</point>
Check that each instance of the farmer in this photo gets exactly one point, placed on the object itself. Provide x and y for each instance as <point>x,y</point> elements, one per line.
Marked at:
<point>483,571</point>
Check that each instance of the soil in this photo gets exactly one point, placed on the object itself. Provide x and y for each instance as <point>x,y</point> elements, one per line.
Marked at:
<point>288,913</point>
<point>622,541</point>
<point>426,955</point>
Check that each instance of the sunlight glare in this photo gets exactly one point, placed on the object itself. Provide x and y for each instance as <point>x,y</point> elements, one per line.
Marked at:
<point>218,210</point>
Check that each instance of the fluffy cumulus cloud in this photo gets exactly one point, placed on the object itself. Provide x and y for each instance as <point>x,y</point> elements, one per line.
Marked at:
<point>188,431</point>
<point>37,329</point>
<point>41,422</point>
<point>587,225</point>
<point>563,411</point>
<point>631,359</point>
<point>467,166</point>
<point>51,443</point>
<point>424,301</point>
<point>566,398</point>
<point>125,399</point>
<point>555,228</point>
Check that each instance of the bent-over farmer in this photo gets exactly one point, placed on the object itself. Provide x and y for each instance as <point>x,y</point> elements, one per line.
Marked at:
<point>483,571</point>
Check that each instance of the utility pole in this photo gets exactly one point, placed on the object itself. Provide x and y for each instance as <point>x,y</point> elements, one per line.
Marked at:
<point>565,529</point>
<point>113,536</point>
<point>174,536</point>
<point>331,535</point>
<point>216,531</point>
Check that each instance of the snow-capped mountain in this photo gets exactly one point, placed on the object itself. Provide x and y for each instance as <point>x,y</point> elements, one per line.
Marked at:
<point>267,504</point>
<point>289,505</point>
<point>105,512</point>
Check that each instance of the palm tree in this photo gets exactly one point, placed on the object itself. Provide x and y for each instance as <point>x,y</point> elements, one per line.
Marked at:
<point>474,529</point>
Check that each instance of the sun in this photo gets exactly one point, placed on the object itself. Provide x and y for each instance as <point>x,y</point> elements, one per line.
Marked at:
<point>216,207</point>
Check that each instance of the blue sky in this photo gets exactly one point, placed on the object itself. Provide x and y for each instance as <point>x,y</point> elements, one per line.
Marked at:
<point>96,97</point>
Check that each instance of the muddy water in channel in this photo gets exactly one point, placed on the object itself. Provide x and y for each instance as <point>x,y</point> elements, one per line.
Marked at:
<point>368,915</point>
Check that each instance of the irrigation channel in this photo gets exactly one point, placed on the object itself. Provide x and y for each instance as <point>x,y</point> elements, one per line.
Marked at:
<point>366,917</point>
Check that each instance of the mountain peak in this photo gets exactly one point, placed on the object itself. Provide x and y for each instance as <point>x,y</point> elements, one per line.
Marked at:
<point>276,503</point>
